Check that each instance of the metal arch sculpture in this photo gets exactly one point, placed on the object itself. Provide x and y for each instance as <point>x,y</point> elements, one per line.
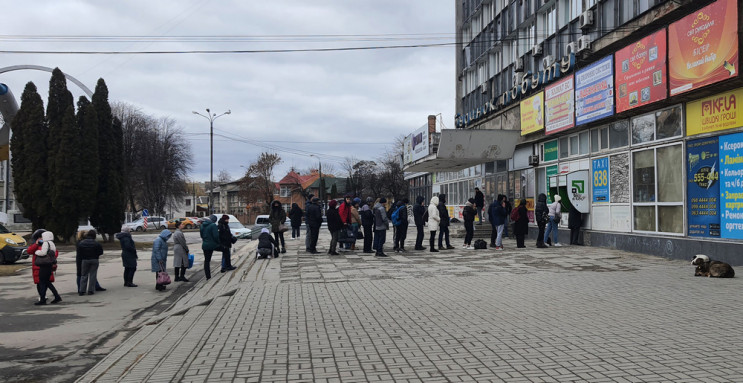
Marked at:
<point>50,70</point>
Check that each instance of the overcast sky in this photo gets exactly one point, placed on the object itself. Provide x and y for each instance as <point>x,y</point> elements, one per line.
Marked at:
<point>334,103</point>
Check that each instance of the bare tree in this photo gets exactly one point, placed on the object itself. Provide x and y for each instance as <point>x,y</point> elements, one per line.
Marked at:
<point>223,177</point>
<point>258,181</point>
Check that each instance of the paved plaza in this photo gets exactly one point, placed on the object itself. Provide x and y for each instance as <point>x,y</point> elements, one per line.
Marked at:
<point>570,314</point>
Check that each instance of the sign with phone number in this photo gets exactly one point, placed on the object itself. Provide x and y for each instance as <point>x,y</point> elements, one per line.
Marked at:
<point>600,179</point>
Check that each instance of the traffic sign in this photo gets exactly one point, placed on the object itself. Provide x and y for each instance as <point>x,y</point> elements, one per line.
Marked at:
<point>145,213</point>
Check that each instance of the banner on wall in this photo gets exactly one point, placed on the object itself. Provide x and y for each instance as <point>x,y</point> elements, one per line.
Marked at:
<point>416,145</point>
<point>532,114</point>
<point>559,106</point>
<point>641,72</point>
<point>594,88</point>
<point>718,112</point>
<point>578,190</point>
<point>600,180</point>
<point>550,151</point>
<point>703,186</point>
<point>731,186</point>
<point>549,172</point>
<point>703,47</point>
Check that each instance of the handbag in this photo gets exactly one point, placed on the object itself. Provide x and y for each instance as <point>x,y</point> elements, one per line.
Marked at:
<point>162,276</point>
<point>283,228</point>
<point>558,217</point>
<point>49,258</point>
<point>346,236</point>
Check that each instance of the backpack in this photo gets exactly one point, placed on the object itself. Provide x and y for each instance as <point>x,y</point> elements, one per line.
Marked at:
<point>515,214</point>
<point>481,244</point>
<point>396,216</point>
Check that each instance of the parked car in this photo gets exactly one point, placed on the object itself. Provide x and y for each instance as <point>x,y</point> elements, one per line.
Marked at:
<point>236,228</point>
<point>153,223</point>
<point>196,221</point>
<point>262,220</point>
<point>12,246</point>
<point>186,223</point>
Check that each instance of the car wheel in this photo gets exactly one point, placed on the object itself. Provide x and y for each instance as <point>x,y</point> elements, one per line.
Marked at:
<point>138,229</point>
<point>188,226</point>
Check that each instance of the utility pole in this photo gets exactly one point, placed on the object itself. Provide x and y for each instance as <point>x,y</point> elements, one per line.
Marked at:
<point>211,117</point>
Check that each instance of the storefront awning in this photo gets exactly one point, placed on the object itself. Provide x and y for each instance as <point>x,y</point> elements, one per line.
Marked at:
<point>462,148</point>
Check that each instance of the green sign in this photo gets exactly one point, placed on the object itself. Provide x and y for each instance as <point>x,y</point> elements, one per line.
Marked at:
<point>580,186</point>
<point>551,171</point>
<point>550,151</point>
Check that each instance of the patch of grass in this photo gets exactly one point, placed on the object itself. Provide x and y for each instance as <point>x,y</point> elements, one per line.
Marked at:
<point>8,270</point>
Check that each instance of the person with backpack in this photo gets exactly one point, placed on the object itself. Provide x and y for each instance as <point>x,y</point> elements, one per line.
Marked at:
<point>444,223</point>
<point>433,221</point>
<point>497,217</point>
<point>43,274</point>
<point>468,214</point>
<point>554,219</point>
<point>420,215</point>
<point>400,221</point>
<point>381,225</point>
<point>367,222</point>
<point>541,215</point>
<point>520,223</point>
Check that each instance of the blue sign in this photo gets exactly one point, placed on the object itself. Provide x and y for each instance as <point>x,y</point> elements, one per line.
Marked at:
<point>703,186</point>
<point>145,213</point>
<point>594,91</point>
<point>600,179</point>
<point>731,186</point>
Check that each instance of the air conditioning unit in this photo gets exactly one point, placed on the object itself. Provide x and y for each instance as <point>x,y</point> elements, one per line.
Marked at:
<point>484,87</point>
<point>519,65</point>
<point>584,43</point>
<point>571,48</point>
<point>536,50</point>
<point>547,61</point>
<point>533,160</point>
<point>586,19</point>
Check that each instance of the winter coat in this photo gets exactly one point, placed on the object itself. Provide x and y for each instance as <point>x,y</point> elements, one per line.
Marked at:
<point>367,216</point>
<point>314,215</point>
<point>88,248</point>
<point>479,200</point>
<point>403,215</point>
<point>418,211</point>
<point>355,217</point>
<point>335,223</point>
<point>433,214</point>
<point>160,251</point>
<point>209,236</point>
<point>276,217</point>
<point>35,269</point>
<point>575,219</point>
<point>180,249</point>
<point>541,210</point>
<point>443,212</point>
<point>521,226</point>
<point>225,235</point>
<point>497,213</point>
<point>266,241</point>
<point>128,250</point>
<point>295,214</point>
<point>344,211</point>
<point>381,222</point>
<point>468,213</point>
<point>554,208</point>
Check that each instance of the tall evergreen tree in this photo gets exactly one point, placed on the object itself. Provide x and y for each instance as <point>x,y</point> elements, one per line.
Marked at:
<point>87,124</point>
<point>28,146</point>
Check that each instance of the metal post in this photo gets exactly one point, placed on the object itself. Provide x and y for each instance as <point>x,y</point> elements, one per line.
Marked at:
<point>211,117</point>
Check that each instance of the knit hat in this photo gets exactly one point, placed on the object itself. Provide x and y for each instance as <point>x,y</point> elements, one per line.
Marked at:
<point>558,198</point>
<point>369,199</point>
<point>265,230</point>
<point>332,203</point>
<point>357,200</point>
<point>383,200</point>
<point>125,229</point>
<point>213,218</point>
<point>225,217</point>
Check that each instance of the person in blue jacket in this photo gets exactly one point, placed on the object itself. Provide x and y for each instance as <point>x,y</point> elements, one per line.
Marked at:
<point>160,255</point>
<point>497,217</point>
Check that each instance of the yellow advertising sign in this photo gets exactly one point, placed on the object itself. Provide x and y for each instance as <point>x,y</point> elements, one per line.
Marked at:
<point>532,114</point>
<point>710,114</point>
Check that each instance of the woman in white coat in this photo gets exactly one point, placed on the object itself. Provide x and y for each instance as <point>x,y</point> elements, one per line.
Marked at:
<point>433,221</point>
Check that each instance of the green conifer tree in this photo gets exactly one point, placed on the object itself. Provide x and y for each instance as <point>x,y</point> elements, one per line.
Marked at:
<point>87,124</point>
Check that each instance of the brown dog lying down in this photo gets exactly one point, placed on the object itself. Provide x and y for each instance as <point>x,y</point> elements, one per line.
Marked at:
<point>707,268</point>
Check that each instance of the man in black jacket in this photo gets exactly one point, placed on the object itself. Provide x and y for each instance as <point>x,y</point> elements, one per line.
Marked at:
<point>444,224</point>
<point>479,204</point>
<point>367,221</point>
<point>225,240</point>
<point>313,221</point>
<point>419,210</point>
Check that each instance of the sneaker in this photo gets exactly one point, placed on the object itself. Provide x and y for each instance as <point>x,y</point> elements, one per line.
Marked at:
<point>464,246</point>
<point>470,248</point>
<point>499,248</point>
<point>558,244</point>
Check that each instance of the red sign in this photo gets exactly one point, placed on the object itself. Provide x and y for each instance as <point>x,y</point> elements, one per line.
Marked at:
<point>703,47</point>
<point>640,71</point>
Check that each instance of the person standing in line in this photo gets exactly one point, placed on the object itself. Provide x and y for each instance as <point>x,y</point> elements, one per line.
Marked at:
<point>508,213</point>
<point>180,253</point>
<point>541,216</point>
<point>418,218</point>
<point>367,221</point>
<point>555,214</point>
<point>209,242</point>
<point>344,211</point>
<point>402,227</point>
<point>314,221</point>
<point>575,222</point>
<point>497,217</point>
<point>89,251</point>
<point>307,226</point>
<point>390,207</point>
<point>381,225</point>
<point>276,219</point>
<point>468,215</point>
<point>43,275</point>
<point>128,255</point>
<point>479,204</point>
<point>521,226</point>
<point>335,225</point>
<point>355,221</point>
<point>81,235</point>
<point>433,221</point>
<point>159,259</point>
<point>444,224</point>
<point>295,215</point>
<point>226,239</point>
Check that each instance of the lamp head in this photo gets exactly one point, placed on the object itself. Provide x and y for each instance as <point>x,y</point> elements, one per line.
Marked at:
<point>228,111</point>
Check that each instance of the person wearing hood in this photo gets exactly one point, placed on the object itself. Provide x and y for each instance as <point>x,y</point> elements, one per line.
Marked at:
<point>575,221</point>
<point>479,204</point>
<point>468,216</point>
<point>180,253</point>
<point>433,221</point>
<point>295,215</point>
<point>276,218</point>
<point>401,230</point>
<point>443,224</point>
<point>419,212</point>
<point>307,226</point>
<point>267,245</point>
<point>226,239</point>
<point>128,255</point>
<point>381,225</point>
<point>541,216</point>
<point>521,225</point>
<point>159,259</point>
<point>335,225</point>
<point>554,212</point>
<point>367,222</point>
<point>344,211</point>
<point>497,217</point>
<point>43,275</point>
<point>89,251</point>
<point>314,221</point>
<point>209,242</point>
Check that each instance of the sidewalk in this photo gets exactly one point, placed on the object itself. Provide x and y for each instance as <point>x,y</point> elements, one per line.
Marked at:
<point>519,315</point>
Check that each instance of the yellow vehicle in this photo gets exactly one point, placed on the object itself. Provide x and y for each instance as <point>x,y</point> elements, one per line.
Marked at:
<point>12,246</point>
<point>186,223</point>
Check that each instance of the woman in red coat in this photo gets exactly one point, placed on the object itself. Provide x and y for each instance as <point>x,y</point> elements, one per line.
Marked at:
<point>43,275</point>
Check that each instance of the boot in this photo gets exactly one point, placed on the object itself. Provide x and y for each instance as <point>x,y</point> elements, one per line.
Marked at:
<point>177,274</point>
<point>183,275</point>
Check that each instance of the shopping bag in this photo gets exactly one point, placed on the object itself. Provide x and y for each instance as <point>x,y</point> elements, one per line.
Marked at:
<point>190,261</point>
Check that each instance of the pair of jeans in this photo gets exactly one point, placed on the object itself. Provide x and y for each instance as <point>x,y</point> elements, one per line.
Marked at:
<point>551,228</point>
<point>469,228</point>
<point>479,215</point>
<point>444,233</point>
<point>379,238</point>
<point>207,263</point>
<point>226,258</point>
<point>499,235</point>
<point>419,236</point>
<point>89,275</point>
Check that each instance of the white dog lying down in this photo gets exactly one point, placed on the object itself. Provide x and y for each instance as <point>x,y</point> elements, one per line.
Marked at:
<point>707,268</point>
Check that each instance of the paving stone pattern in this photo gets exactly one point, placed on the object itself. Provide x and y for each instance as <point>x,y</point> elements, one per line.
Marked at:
<point>570,314</point>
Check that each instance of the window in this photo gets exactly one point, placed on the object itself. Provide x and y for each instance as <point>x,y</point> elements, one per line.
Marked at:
<point>657,190</point>
<point>663,124</point>
<point>576,8</point>
<point>610,136</point>
<point>574,145</point>
<point>188,202</point>
<point>286,191</point>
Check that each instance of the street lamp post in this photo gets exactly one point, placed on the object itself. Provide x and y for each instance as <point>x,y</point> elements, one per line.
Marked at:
<point>322,185</point>
<point>211,117</point>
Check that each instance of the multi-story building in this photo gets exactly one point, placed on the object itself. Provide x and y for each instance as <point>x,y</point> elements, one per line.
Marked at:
<point>626,108</point>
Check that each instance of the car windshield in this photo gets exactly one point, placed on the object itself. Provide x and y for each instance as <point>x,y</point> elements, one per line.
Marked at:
<point>3,230</point>
<point>236,225</point>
